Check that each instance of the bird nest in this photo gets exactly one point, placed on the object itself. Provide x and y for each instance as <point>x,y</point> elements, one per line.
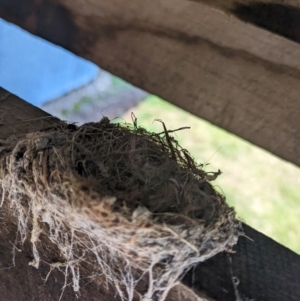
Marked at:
<point>133,203</point>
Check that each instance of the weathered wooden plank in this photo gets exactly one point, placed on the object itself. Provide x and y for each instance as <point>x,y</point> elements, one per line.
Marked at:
<point>280,17</point>
<point>235,75</point>
<point>17,116</point>
<point>266,270</point>
<point>229,6</point>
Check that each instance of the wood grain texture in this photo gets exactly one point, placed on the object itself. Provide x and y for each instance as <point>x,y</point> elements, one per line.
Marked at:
<point>278,16</point>
<point>230,5</point>
<point>266,270</point>
<point>18,116</point>
<point>237,76</point>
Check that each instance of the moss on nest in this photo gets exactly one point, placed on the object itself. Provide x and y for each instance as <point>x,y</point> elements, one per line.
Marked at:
<point>132,203</point>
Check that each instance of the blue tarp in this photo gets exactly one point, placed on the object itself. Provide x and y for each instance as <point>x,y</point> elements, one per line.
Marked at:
<point>37,70</point>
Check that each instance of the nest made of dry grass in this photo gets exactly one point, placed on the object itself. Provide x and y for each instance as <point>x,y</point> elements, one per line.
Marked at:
<point>132,202</point>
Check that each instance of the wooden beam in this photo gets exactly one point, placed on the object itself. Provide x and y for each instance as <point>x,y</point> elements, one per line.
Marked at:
<point>230,6</point>
<point>277,16</point>
<point>233,74</point>
<point>266,270</point>
<point>18,116</point>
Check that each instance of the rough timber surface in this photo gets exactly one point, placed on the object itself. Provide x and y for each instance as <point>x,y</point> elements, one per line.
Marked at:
<point>267,271</point>
<point>211,60</point>
<point>278,16</point>
<point>17,116</point>
<point>230,6</point>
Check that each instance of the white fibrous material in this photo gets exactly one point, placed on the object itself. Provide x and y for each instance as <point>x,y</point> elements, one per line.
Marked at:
<point>132,204</point>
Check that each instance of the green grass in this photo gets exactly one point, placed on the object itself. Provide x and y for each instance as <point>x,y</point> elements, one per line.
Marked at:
<point>264,189</point>
<point>77,106</point>
<point>118,83</point>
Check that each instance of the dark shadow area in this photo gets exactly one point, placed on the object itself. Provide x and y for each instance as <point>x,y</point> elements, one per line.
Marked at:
<point>280,19</point>
<point>46,19</point>
<point>263,271</point>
